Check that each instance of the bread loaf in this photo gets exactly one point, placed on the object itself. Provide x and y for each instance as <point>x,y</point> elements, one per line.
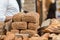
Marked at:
<point>18,17</point>
<point>33,26</point>
<point>31,17</point>
<point>30,32</point>
<point>15,31</point>
<point>19,25</point>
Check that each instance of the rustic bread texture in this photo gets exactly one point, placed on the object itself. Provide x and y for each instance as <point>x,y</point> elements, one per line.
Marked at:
<point>19,25</point>
<point>33,26</point>
<point>17,17</point>
<point>35,38</point>
<point>15,31</point>
<point>31,17</point>
<point>30,32</point>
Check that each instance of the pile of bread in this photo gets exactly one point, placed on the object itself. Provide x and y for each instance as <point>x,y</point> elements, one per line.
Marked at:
<point>54,26</point>
<point>21,26</point>
<point>53,29</point>
<point>12,36</point>
<point>24,26</point>
<point>46,36</point>
<point>26,23</point>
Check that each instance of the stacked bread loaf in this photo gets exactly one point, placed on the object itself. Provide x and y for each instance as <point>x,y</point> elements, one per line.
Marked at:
<point>26,23</point>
